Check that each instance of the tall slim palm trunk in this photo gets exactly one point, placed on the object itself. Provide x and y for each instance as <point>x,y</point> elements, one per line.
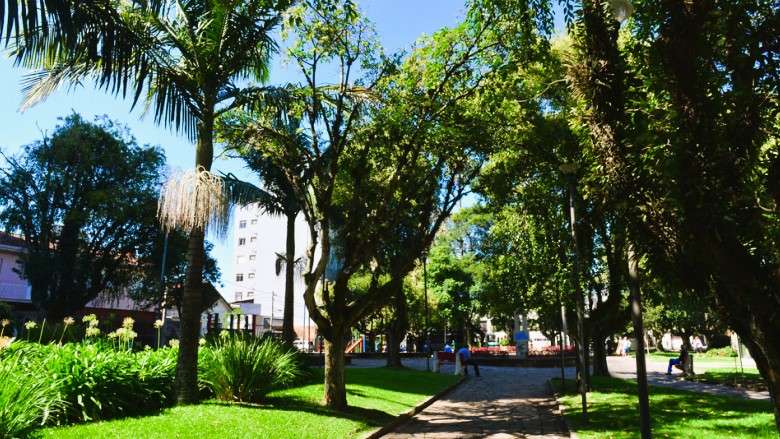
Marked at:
<point>187,361</point>
<point>288,331</point>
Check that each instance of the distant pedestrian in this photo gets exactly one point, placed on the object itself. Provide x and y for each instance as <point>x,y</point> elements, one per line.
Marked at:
<point>465,360</point>
<point>447,348</point>
<point>626,347</point>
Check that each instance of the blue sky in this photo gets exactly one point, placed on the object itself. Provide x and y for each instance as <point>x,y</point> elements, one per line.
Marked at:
<point>398,23</point>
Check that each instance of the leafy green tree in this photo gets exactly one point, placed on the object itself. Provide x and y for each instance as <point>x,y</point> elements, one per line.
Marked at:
<point>691,182</point>
<point>85,201</point>
<point>191,59</point>
<point>456,274</point>
<point>364,184</point>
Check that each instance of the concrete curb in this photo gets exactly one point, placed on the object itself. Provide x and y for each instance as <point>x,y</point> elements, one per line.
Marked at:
<point>561,410</point>
<point>406,417</point>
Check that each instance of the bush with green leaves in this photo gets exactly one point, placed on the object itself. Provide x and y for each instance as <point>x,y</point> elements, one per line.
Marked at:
<point>244,369</point>
<point>28,399</point>
<point>98,382</point>
<point>721,352</point>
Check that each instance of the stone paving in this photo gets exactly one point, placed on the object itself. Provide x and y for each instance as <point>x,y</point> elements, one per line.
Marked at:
<point>503,403</point>
<point>625,368</point>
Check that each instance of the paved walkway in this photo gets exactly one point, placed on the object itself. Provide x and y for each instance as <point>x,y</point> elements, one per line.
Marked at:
<point>503,403</point>
<point>625,368</point>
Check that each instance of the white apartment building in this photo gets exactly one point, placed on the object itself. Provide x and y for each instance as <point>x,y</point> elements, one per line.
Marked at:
<point>257,238</point>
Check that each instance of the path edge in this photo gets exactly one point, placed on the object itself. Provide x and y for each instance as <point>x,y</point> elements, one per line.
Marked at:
<point>561,409</point>
<point>403,418</point>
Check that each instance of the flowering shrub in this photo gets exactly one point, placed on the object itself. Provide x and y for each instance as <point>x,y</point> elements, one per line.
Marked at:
<point>98,382</point>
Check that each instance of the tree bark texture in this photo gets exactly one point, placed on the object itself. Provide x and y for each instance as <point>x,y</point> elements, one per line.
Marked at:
<point>288,329</point>
<point>187,361</point>
<point>335,390</point>
<point>397,327</point>
<point>639,333</point>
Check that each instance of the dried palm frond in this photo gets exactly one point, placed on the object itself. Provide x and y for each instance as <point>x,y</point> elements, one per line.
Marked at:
<point>194,200</point>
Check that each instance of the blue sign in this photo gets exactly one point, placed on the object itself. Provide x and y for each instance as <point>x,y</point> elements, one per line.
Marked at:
<point>521,336</point>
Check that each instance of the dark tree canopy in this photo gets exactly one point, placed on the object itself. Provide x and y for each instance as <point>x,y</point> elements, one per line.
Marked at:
<point>84,198</point>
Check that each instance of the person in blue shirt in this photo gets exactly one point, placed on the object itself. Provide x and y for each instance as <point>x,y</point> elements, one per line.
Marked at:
<point>447,348</point>
<point>465,360</point>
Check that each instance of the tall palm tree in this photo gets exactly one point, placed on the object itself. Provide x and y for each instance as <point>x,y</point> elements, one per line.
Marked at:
<point>190,59</point>
<point>278,196</point>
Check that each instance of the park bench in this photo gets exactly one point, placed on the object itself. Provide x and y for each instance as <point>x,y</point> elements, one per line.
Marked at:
<point>444,357</point>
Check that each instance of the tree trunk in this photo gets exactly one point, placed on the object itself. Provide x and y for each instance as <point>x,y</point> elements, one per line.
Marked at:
<point>768,372</point>
<point>288,331</point>
<point>187,361</point>
<point>641,368</point>
<point>687,366</point>
<point>335,390</point>
<point>397,328</point>
<point>600,367</point>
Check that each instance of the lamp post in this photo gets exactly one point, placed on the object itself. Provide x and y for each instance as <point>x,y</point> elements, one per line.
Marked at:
<point>563,351</point>
<point>427,314</point>
<point>162,280</point>
<point>570,170</point>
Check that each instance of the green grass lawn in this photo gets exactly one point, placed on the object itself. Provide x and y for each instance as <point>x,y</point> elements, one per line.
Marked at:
<point>375,395</point>
<point>612,407</point>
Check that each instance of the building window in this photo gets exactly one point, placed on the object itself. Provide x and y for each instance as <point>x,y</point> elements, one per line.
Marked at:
<point>238,295</point>
<point>250,294</point>
<point>239,277</point>
<point>253,239</point>
<point>239,259</point>
<point>242,224</point>
<point>252,257</point>
<point>241,241</point>
<point>251,275</point>
<point>254,221</point>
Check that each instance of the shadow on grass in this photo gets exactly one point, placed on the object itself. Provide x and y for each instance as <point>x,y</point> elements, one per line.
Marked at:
<point>612,408</point>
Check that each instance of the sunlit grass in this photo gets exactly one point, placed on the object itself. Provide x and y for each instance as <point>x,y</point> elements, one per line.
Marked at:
<point>613,412</point>
<point>375,395</point>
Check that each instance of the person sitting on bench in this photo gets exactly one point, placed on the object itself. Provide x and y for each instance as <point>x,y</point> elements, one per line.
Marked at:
<point>465,360</point>
<point>679,361</point>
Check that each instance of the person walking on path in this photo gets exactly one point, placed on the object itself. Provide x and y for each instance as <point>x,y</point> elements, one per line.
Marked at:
<point>679,361</point>
<point>465,360</point>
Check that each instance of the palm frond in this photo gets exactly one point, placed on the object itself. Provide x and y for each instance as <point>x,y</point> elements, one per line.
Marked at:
<point>242,193</point>
<point>37,86</point>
